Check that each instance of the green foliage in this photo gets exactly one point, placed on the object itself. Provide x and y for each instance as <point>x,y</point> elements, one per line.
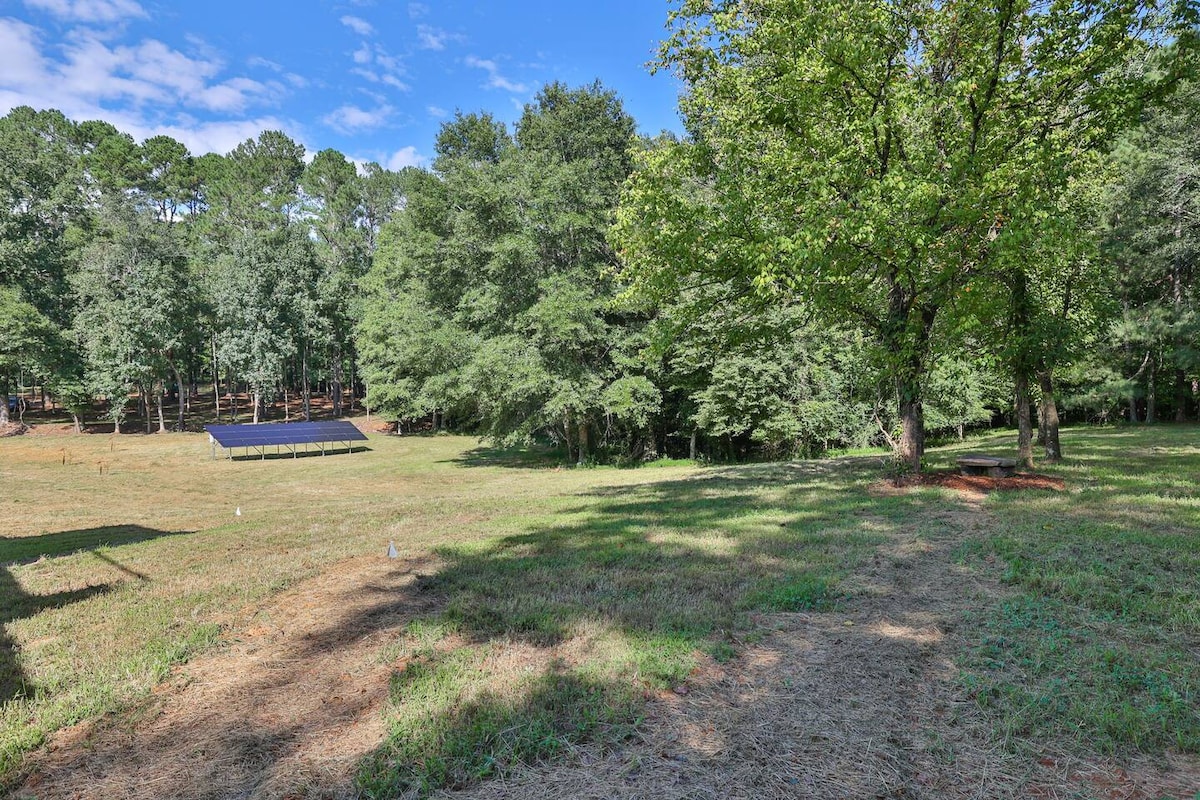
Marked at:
<point>264,302</point>
<point>136,306</point>
<point>871,160</point>
<point>1152,244</point>
<point>489,301</point>
<point>39,198</point>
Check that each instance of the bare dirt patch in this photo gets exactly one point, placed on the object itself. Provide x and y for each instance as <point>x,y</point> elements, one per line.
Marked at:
<point>980,484</point>
<point>287,708</point>
<point>13,429</point>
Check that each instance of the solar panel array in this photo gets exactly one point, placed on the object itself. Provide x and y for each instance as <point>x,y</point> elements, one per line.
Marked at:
<point>285,433</point>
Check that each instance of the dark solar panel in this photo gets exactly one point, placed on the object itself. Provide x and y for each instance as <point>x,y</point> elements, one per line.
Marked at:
<point>285,433</point>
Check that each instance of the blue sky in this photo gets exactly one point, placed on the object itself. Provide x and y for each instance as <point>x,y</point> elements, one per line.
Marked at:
<point>372,78</point>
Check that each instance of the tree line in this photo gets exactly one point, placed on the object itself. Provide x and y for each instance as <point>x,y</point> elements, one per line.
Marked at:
<point>882,220</point>
<point>137,270</point>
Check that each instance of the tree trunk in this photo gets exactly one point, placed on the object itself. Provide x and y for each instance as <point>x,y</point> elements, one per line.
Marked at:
<point>144,399</point>
<point>583,442</point>
<point>216,379</point>
<point>307,394</point>
<point>911,446</point>
<point>182,407</point>
<point>1152,394</point>
<point>77,422</point>
<point>1048,416</point>
<point>336,388</point>
<point>1024,422</point>
<point>692,446</point>
<point>906,334</point>
<point>257,403</point>
<point>568,439</point>
<point>158,401</point>
<point>1181,388</point>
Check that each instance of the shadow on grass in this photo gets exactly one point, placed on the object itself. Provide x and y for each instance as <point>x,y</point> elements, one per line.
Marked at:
<point>299,454</point>
<point>16,603</point>
<point>657,572</point>
<point>553,711</point>
<point>536,457</point>
<point>25,549</point>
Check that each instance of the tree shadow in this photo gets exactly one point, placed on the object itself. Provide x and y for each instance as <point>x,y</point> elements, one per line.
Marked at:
<point>25,549</point>
<point>17,604</point>
<point>672,557</point>
<point>665,569</point>
<point>287,709</point>
<point>532,457</point>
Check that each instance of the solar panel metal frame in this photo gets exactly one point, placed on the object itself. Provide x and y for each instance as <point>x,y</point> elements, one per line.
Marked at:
<point>283,434</point>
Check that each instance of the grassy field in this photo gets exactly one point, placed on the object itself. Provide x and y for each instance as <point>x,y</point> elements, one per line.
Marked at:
<point>563,597</point>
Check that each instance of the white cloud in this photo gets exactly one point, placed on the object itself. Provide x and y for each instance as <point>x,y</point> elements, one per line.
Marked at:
<point>358,25</point>
<point>385,79</point>
<point>404,157</point>
<point>215,137</point>
<point>143,88</point>
<point>437,111</point>
<point>350,118</point>
<point>235,94</point>
<point>298,81</point>
<point>90,10</point>
<point>266,63</point>
<point>21,62</point>
<point>417,10</point>
<point>432,38</point>
<point>495,79</point>
<point>379,66</point>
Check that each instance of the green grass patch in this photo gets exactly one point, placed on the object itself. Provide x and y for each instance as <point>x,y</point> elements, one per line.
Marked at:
<point>452,725</point>
<point>800,592</point>
<point>619,592</point>
<point>1097,643</point>
<point>562,596</point>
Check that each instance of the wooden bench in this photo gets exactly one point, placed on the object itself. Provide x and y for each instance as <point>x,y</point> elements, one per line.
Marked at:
<point>992,466</point>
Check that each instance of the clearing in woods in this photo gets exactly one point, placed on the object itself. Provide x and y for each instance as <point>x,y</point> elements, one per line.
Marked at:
<point>775,630</point>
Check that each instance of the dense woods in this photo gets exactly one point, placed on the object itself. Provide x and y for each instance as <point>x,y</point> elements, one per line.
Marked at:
<point>917,223</point>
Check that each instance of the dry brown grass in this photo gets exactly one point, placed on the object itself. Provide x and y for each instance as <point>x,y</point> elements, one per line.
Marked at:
<point>318,630</point>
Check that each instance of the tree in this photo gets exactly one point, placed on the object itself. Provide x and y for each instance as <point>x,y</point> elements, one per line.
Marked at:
<point>264,302</point>
<point>869,156</point>
<point>168,176</point>
<point>39,200</point>
<point>492,294</point>
<point>1154,244</point>
<point>26,340</point>
<point>136,307</point>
